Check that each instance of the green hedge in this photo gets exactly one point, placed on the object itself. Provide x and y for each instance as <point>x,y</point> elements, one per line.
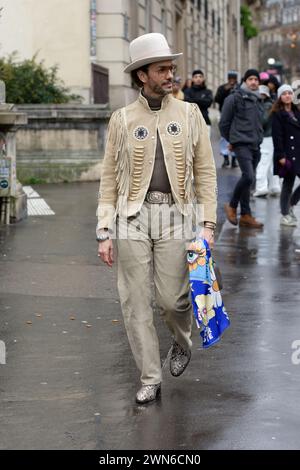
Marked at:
<point>30,81</point>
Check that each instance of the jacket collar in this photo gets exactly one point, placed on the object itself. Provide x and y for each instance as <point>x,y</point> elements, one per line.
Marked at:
<point>248,94</point>
<point>295,122</point>
<point>198,87</point>
<point>165,101</point>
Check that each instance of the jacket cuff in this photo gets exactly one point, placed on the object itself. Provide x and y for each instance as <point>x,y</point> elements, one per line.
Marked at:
<point>106,216</point>
<point>210,215</point>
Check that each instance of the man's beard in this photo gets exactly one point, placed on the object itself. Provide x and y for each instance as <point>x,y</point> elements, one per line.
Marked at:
<point>159,90</point>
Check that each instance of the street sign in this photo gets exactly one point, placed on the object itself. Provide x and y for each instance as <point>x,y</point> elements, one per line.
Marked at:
<point>4,184</point>
<point>5,170</point>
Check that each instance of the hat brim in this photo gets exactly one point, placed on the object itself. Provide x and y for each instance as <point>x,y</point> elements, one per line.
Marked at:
<point>150,60</point>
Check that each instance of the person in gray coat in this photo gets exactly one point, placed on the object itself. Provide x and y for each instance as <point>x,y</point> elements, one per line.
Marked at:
<point>241,126</point>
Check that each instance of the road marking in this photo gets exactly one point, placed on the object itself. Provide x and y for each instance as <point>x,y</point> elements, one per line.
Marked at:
<point>30,191</point>
<point>36,205</point>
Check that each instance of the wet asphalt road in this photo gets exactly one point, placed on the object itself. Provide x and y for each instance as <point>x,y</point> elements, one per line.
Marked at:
<point>70,380</point>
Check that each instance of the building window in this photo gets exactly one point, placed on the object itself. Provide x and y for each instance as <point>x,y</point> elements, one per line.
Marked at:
<point>148,25</point>
<point>93,29</point>
<point>164,21</point>
<point>199,4</point>
<point>213,20</point>
<point>234,24</point>
<point>206,9</point>
<point>219,26</point>
<point>126,26</point>
<point>295,15</point>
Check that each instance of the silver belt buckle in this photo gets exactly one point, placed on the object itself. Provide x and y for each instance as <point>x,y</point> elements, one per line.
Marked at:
<point>156,197</point>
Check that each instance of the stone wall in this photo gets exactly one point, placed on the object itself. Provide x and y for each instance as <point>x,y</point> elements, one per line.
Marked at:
<point>61,143</point>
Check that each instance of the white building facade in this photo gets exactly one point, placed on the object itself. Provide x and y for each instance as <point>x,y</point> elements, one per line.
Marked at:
<point>81,35</point>
<point>201,29</point>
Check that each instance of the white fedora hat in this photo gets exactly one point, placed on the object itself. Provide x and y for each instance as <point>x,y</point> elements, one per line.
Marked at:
<point>147,49</point>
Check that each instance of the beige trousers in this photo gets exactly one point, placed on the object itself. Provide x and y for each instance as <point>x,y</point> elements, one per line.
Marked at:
<point>151,238</point>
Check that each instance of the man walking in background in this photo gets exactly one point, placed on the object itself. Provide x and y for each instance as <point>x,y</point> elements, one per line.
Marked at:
<point>200,94</point>
<point>241,126</point>
<point>222,93</point>
<point>177,92</point>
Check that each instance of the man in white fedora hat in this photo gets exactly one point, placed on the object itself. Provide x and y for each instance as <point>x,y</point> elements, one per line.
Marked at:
<point>158,163</point>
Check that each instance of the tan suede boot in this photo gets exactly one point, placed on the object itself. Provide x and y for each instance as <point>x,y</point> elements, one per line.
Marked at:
<point>248,221</point>
<point>231,214</point>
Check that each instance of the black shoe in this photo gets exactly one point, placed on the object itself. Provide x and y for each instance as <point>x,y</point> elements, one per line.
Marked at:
<point>234,163</point>
<point>226,162</point>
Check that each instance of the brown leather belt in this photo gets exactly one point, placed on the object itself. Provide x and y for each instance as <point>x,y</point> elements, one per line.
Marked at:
<point>156,197</point>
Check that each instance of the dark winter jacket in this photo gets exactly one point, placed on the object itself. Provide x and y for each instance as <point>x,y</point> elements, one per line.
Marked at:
<point>286,139</point>
<point>222,93</point>
<point>267,117</point>
<point>241,119</point>
<point>202,97</point>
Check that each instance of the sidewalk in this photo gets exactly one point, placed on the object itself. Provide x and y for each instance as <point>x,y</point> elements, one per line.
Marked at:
<point>69,381</point>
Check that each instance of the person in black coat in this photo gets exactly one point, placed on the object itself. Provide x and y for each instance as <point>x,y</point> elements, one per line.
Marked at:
<point>273,84</point>
<point>199,94</point>
<point>286,139</point>
<point>222,92</point>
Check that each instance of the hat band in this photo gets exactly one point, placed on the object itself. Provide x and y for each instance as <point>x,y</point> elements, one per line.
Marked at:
<point>156,53</point>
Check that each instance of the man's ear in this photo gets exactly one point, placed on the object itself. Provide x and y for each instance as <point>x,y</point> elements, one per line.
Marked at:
<point>142,76</point>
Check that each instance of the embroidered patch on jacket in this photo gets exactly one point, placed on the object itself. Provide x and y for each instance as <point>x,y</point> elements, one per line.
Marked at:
<point>174,128</point>
<point>140,133</point>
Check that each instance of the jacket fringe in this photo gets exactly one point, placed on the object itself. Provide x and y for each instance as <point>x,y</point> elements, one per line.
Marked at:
<point>193,138</point>
<point>118,136</point>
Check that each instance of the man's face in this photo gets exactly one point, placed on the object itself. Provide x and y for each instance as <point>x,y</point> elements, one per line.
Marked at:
<point>198,79</point>
<point>158,81</point>
<point>232,81</point>
<point>263,96</point>
<point>272,87</point>
<point>176,87</point>
<point>252,82</point>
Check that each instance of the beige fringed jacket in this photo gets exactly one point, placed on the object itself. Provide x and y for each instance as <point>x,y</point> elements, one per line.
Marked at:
<point>130,152</point>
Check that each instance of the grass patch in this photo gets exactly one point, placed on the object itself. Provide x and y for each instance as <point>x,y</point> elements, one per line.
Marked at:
<point>33,180</point>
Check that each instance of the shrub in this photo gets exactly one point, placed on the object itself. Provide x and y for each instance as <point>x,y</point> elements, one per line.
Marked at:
<point>30,81</point>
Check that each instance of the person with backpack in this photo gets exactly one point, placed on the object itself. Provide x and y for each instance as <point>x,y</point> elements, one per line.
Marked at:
<point>241,126</point>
